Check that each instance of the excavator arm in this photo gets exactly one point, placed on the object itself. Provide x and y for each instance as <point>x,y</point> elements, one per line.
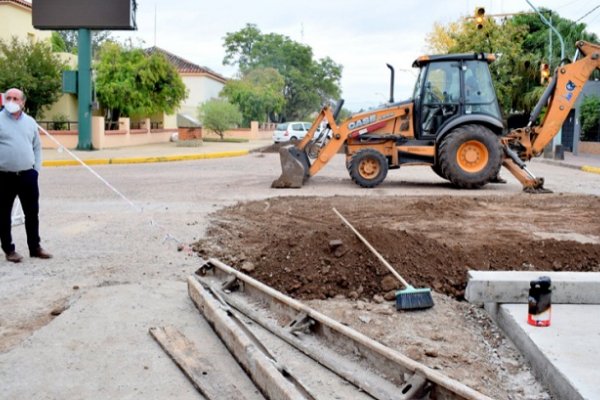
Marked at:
<point>524,143</point>
<point>295,164</point>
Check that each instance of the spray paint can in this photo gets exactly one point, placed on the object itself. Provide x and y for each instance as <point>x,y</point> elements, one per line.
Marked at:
<point>540,302</point>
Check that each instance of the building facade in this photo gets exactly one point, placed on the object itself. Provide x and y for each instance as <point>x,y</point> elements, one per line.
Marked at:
<point>202,84</point>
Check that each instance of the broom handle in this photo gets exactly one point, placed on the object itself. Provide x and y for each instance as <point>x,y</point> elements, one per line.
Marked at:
<point>379,256</point>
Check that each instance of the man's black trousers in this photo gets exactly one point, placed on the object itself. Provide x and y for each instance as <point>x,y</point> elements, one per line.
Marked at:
<point>23,184</point>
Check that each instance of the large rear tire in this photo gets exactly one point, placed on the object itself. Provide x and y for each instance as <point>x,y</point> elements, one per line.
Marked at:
<point>470,156</point>
<point>368,168</point>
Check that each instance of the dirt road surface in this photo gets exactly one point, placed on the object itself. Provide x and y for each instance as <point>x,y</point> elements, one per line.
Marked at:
<point>101,242</point>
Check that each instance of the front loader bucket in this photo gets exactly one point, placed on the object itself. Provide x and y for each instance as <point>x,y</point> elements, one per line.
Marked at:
<point>294,168</point>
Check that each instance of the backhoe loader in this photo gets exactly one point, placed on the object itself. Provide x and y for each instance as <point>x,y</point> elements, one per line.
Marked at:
<point>452,123</point>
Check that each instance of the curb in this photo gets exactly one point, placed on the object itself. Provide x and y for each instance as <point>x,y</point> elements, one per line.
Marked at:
<point>141,160</point>
<point>593,170</point>
<point>585,168</point>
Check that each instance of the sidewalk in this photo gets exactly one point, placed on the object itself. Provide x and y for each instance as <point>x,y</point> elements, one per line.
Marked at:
<point>151,153</point>
<point>584,162</point>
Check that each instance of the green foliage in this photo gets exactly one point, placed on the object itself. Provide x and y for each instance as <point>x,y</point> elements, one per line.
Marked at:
<point>59,122</point>
<point>521,43</point>
<point>258,94</point>
<point>308,82</point>
<point>58,43</point>
<point>132,83</point>
<point>218,115</point>
<point>590,117</point>
<point>537,40</point>
<point>70,44</point>
<point>32,67</point>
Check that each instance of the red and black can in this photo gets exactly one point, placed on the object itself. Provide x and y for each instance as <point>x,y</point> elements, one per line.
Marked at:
<point>540,302</point>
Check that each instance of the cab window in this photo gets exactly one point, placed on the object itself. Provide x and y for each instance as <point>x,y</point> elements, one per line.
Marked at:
<point>480,97</point>
<point>441,95</point>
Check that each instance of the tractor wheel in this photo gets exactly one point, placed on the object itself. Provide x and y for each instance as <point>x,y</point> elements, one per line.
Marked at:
<point>438,170</point>
<point>368,168</point>
<point>470,156</point>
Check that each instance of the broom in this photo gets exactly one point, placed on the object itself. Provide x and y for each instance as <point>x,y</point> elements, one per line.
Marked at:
<point>409,298</point>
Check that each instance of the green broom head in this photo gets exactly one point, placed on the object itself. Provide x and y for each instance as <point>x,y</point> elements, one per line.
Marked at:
<point>414,299</point>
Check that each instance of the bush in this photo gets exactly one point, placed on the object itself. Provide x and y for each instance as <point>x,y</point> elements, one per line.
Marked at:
<point>59,122</point>
<point>219,115</point>
<point>590,119</point>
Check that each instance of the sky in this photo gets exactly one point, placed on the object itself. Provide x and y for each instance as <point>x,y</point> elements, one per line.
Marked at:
<point>362,35</point>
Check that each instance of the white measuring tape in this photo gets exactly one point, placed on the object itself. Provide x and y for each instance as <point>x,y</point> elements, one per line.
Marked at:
<point>168,236</point>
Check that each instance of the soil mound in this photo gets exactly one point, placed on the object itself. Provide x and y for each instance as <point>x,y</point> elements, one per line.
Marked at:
<point>432,242</point>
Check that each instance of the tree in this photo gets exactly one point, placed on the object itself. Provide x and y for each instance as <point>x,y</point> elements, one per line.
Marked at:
<point>308,82</point>
<point>218,115</point>
<point>133,83</point>
<point>32,67</point>
<point>70,43</point>
<point>258,94</point>
<point>520,43</point>
<point>537,42</point>
<point>441,39</point>
<point>58,43</point>
<point>590,118</point>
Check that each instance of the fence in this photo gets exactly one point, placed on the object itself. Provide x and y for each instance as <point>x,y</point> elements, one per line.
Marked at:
<point>143,132</point>
<point>102,138</point>
<point>59,125</point>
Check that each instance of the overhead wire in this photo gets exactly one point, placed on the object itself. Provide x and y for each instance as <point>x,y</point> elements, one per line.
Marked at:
<point>588,13</point>
<point>135,207</point>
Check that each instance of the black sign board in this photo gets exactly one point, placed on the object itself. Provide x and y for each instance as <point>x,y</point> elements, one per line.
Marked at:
<point>90,14</point>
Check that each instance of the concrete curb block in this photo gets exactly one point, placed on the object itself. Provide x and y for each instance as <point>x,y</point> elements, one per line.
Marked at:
<point>585,168</point>
<point>513,286</point>
<point>542,363</point>
<point>593,170</point>
<point>140,160</point>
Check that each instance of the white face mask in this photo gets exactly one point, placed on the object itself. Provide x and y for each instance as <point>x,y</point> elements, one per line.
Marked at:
<point>12,107</point>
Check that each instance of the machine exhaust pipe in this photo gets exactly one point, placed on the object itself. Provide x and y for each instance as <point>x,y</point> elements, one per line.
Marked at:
<point>392,73</point>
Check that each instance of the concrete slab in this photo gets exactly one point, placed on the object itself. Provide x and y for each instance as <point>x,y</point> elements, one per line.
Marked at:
<point>563,355</point>
<point>100,348</point>
<point>513,286</point>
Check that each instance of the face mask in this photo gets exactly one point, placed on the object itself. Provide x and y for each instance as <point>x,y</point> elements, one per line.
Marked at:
<point>12,107</point>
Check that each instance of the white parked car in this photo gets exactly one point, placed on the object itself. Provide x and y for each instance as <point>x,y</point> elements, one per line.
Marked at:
<point>291,131</point>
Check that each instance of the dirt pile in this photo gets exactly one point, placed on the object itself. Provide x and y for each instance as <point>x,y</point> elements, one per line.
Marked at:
<point>432,242</point>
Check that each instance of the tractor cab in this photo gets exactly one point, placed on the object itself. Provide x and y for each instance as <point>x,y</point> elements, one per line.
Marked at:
<point>452,87</point>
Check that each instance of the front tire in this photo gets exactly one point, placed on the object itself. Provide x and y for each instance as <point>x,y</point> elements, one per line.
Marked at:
<point>368,168</point>
<point>470,156</point>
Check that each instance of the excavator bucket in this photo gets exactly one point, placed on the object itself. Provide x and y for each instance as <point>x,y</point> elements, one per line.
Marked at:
<point>294,168</point>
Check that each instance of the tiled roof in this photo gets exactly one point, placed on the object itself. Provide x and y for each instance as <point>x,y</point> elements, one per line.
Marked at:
<point>20,2</point>
<point>185,66</point>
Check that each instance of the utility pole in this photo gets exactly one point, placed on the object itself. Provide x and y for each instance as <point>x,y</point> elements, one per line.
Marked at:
<point>558,138</point>
<point>84,89</point>
<point>550,46</point>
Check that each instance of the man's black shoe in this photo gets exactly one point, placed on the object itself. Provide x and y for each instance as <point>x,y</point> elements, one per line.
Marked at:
<point>15,257</point>
<point>40,253</point>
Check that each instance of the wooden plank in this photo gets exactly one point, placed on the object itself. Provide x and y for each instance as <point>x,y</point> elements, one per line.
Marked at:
<point>213,384</point>
<point>339,332</point>
<point>262,369</point>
